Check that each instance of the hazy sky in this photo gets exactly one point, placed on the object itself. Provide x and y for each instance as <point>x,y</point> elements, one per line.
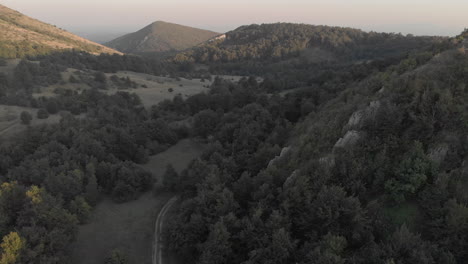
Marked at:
<point>441,17</point>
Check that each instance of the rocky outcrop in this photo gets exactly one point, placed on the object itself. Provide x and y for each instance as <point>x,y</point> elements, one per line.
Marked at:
<point>350,138</point>
<point>357,118</point>
<point>290,180</point>
<point>283,153</point>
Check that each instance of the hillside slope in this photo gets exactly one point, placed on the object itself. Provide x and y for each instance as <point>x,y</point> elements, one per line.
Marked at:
<point>279,41</point>
<point>22,36</point>
<point>161,36</point>
<point>376,174</point>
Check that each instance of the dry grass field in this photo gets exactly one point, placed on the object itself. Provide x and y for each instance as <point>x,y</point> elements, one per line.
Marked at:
<point>160,88</point>
<point>10,66</point>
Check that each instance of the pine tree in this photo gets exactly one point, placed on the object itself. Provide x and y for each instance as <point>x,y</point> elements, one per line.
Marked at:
<point>217,248</point>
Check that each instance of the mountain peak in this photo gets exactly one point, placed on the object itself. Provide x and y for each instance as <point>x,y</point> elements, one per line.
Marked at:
<point>161,36</point>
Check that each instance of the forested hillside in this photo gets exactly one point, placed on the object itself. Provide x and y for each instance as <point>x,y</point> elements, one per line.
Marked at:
<point>362,161</point>
<point>297,55</point>
<point>375,174</point>
<point>272,42</point>
<point>22,36</point>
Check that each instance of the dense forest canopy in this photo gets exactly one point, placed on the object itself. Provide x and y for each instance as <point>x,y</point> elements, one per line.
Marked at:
<point>272,42</point>
<point>361,159</point>
<point>374,174</point>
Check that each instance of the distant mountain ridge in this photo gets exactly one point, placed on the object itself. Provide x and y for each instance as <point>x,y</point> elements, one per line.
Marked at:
<point>161,36</point>
<point>22,36</point>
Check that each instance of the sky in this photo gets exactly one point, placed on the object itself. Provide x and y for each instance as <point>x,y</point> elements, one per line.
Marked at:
<point>108,17</point>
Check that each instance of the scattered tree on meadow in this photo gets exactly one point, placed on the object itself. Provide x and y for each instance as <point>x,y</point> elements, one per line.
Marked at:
<point>25,117</point>
<point>42,114</point>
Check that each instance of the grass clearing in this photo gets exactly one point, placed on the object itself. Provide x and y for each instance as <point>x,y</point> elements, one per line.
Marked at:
<point>151,89</point>
<point>130,226</point>
<point>10,123</point>
<point>179,156</point>
<point>158,87</point>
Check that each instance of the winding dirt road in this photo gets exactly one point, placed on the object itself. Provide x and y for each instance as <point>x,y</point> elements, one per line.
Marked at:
<point>158,243</point>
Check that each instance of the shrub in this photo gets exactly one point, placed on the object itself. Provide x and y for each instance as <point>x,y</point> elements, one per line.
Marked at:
<point>42,114</point>
<point>52,107</point>
<point>26,117</point>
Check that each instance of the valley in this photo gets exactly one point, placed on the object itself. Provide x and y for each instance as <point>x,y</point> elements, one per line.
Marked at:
<point>270,143</point>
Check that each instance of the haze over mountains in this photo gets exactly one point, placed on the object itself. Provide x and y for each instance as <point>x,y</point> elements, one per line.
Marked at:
<point>160,37</point>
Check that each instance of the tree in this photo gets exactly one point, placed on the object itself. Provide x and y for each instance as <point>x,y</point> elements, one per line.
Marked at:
<point>12,197</point>
<point>405,247</point>
<point>11,248</point>
<point>278,250</point>
<point>205,122</point>
<point>117,257</point>
<point>42,113</point>
<point>217,248</point>
<point>329,250</point>
<point>91,189</point>
<point>81,209</point>
<point>26,117</point>
<point>123,192</point>
<point>101,79</point>
<point>412,172</point>
<point>52,107</point>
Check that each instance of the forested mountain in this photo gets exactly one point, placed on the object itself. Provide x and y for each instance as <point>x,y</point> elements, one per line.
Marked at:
<point>22,36</point>
<point>160,37</point>
<point>281,41</point>
<point>297,55</point>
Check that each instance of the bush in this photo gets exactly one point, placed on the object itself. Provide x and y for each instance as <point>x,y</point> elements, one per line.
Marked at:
<point>52,107</point>
<point>42,114</point>
<point>100,77</point>
<point>117,257</point>
<point>26,117</point>
<point>123,192</point>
